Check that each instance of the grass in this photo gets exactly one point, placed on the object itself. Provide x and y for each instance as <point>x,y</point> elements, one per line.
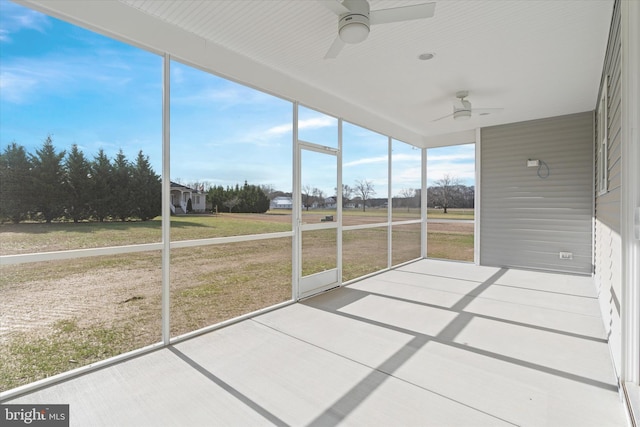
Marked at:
<point>245,277</point>
<point>103,306</point>
<point>453,246</point>
<point>54,270</point>
<point>363,252</point>
<point>27,359</point>
<point>31,237</point>
<point>466,214</point>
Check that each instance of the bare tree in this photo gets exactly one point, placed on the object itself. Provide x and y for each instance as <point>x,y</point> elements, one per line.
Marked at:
<point>199,185</point>
<point>269,190</point>
<point>446,191</point>
<point>347,192</point>
<point>307,196</point>
<point>365,190</point>
<point>232,203</point>
<point>407,194</point>
<point>318,195</point>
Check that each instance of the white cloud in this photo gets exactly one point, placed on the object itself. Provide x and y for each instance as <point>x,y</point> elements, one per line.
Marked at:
<point>465,172</point>
<point>316,122</point>
<point>366,161</point>
<point>407,157</point>
<point>455,157</point>
<point>457,161</point>
<point>312,123</point>
<point>408,177</point>
<point>16,18</point>
<point>280,129</point>
<point>24,79</point>
<point>192,87</point>
<point>177,75</point>
<point>16,86</point>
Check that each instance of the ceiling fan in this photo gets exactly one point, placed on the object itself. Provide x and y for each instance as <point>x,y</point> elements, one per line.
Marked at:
<point>462,108</point>
<point>355,18</point>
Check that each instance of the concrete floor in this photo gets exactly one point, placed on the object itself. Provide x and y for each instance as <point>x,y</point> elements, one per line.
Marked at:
<point>433,343</point>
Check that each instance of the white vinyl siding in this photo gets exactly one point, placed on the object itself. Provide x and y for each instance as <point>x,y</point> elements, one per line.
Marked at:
<point>608,243</point>
<point>531,214</point>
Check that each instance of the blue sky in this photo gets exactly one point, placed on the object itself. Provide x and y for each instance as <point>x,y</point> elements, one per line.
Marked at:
<point>83,88</point>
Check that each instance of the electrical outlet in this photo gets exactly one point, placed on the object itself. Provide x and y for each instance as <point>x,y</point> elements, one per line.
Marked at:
<point>533,163</point>
<point>566,255</point>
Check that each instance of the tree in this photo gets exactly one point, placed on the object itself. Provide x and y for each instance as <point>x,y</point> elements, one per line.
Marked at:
<point>407,194</point>
<point>199,185</point>
<point>232,202</point>
<point>365,190</point>
<point>102,188</point>
<point>246,199</point>
<point>269,190</point>
<point>48,180</point>
<point>253,199</point>
<point>307,196</point>
<point>446,191</point>
<point>122,203</point>
<point>318,195</point>
<point>216,197</point>
<point>146,189</point>
<point>347,192</point>
<point>77,184</point>
<point>468,196</point>
<point>15,183</point>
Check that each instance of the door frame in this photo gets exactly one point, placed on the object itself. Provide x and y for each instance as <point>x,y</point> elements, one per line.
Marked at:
<point>321,281</point>
<point>307,286</point>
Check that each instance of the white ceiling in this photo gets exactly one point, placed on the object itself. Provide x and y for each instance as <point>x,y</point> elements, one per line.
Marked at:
<point>533,58</point>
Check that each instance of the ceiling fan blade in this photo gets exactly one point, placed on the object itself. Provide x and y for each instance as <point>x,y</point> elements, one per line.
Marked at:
<point>335,6</point>
<point>443,117</point>
<point>405,13</point>
<point>335,48</point>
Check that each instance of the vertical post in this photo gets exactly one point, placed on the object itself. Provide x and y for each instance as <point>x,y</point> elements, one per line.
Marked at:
<point>339,203</point>
<point>166,199</point>
<point>296,243</point>
<point>594,152</point>
<point>476,199</point>
<point>390,205</point>
<point>630,197</point>
<point>423,204</point>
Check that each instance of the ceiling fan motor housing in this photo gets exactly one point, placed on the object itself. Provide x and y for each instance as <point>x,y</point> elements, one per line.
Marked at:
<point>462,111</point>
<point>353,26</point>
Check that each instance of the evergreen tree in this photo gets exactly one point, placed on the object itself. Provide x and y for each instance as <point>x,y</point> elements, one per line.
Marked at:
<point>146,189</point>
<point>253,199</point>
<point>78,185</point>
<point>216,198</point>
<point>102,193</point>
<point>121,206</point>
<point>262,201</point>
<point>48,181</point>
<point>15,183</point>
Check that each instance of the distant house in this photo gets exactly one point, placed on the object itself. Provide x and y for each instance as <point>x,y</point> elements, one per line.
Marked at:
<point>331,202</point>
<point>349,205</point>
<point>180,195</point>
<point>281,202</point>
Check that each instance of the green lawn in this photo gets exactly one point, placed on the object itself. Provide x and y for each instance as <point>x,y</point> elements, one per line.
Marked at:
<point>107,305</point>
<point>31,238</point>
<point>451,214</point>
